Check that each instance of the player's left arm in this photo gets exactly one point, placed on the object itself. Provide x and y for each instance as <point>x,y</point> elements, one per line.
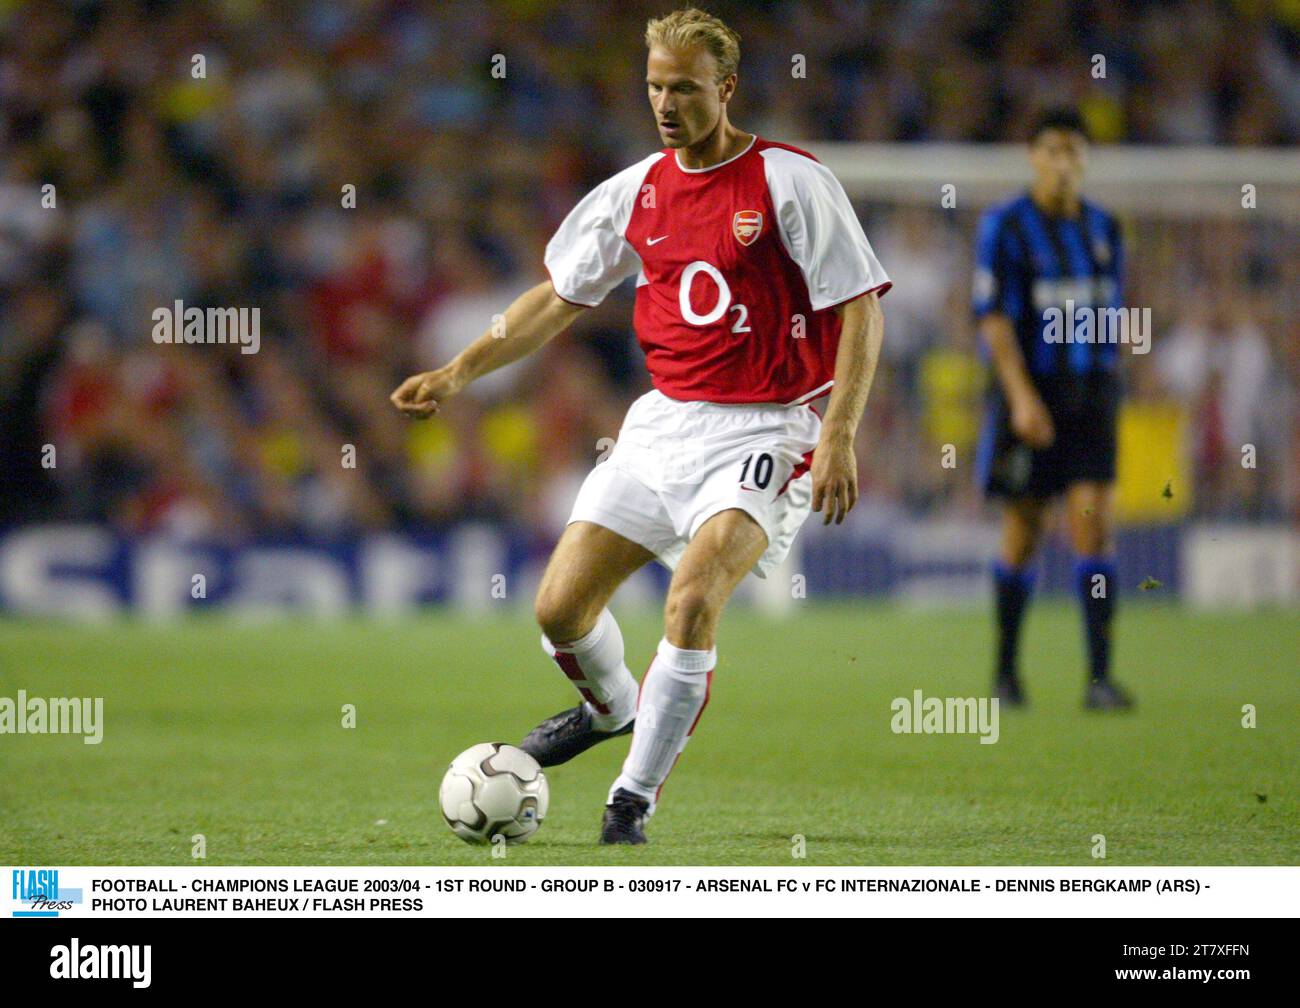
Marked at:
<point>834,466</point>
<point>821,232</point>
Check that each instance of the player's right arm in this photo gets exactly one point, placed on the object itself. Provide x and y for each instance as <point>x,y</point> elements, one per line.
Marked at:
<point>995,301</point>
<point>587,258</point>
<point>1030,420</point>
<point>536,316</point>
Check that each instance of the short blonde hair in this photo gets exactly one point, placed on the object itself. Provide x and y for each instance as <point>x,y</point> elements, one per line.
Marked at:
<point>687,28</point>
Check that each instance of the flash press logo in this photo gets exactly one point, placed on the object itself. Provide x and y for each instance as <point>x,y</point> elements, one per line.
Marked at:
<point>181,325</point>
<point>38,890</point>
<point>75,961</point>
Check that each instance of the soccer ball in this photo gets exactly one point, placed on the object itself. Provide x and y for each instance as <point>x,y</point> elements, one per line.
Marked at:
<point>494,789</point>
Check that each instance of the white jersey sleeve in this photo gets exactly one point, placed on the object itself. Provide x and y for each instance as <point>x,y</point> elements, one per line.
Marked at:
<point>820,230</point>
<point>589,256</point>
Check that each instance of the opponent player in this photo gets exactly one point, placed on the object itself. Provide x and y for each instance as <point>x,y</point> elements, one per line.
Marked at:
<point>1050,423</point>
<point>756,293</point>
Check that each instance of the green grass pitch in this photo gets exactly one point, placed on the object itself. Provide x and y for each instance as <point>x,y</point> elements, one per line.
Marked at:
<point>233,730</point>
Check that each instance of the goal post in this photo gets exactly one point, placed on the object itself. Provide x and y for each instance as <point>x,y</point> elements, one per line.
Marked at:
<point>1190,182</point>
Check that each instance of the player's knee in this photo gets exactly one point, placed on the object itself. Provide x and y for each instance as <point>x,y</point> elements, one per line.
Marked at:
<point>1027,519</point>
<point>690,612</point>
<point>1092,542</point>
<point>1090,534</point>
<point>560,618</point>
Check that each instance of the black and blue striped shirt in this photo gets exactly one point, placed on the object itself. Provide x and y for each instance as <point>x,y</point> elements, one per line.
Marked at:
<point>1027,262</point>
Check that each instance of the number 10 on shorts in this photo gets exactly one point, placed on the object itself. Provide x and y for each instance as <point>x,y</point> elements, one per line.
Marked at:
<point>758,468</point>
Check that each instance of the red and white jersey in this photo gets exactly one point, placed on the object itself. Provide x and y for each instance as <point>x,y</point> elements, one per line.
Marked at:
<point>738,269</point>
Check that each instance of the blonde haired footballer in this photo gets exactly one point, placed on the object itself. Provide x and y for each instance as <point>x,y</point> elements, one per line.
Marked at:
<point>756,299</point>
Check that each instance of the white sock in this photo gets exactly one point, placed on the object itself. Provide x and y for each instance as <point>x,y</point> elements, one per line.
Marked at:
<point>673,695</point>
<point>594,664</point>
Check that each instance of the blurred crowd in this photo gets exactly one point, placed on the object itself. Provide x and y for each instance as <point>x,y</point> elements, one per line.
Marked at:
<point>381,184</point>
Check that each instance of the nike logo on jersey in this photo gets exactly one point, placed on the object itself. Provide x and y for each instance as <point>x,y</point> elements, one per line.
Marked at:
<point>655,241</point>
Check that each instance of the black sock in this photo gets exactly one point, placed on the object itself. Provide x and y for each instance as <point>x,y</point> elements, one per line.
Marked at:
<point>1097,585</point>
<point>1013,586</point>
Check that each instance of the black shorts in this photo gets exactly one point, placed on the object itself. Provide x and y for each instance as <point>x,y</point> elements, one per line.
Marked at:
<point>1084,411</point>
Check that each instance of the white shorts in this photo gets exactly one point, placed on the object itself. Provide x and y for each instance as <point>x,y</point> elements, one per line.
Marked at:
<point>676,464</point>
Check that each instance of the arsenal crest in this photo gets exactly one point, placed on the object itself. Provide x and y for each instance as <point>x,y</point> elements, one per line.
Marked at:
<point>746,226</point>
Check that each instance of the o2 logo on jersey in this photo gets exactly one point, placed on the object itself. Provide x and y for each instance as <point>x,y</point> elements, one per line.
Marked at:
<point>747,225</point>
<point>723,305</point>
